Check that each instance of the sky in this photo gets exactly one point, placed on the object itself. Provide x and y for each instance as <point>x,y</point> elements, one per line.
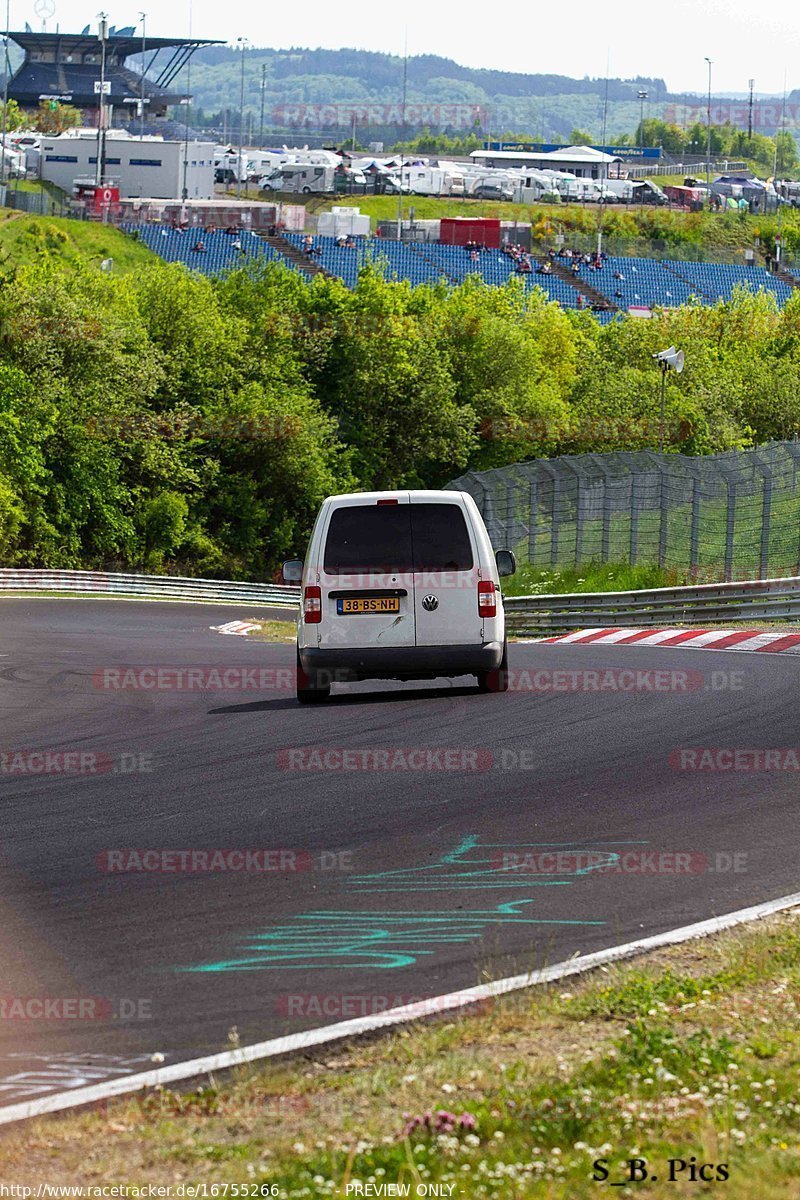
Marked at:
<point>630,38</point>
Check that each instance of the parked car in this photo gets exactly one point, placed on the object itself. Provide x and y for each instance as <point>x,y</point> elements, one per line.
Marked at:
<point>400,585</point>
<point>493,191</point>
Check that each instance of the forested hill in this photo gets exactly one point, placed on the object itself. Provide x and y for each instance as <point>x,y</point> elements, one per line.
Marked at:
<point>376,72</point>
<point>538,106</point>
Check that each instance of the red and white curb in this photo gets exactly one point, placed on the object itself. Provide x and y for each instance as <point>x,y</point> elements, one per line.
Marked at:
<point>236,628</point>
<point>692,639</point>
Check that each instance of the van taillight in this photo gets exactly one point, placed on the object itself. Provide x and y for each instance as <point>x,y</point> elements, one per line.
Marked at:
<point>487,602</point>
<point>387,501</point>
<point>312,605</point>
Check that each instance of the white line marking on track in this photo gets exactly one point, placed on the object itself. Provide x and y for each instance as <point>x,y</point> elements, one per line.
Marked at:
<point>178,1072</point>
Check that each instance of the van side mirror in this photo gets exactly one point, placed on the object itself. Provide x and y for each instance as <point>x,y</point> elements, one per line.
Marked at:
<point>292,570</point>
<point>506,562</point>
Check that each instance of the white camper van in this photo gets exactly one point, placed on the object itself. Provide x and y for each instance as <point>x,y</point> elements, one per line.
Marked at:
<point>300,177</point>
<point>400,585</point>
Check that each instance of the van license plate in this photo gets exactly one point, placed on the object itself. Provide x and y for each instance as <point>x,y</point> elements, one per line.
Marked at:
<point>368,604</point>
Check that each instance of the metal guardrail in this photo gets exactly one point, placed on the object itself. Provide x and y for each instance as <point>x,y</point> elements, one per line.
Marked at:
<point>762,599</point>
<point>148,587</point>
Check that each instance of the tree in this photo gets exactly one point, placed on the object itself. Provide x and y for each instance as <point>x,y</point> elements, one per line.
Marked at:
<point>787,157</point>
<point>53,117</point>
<point>654,132</point>
<point>579,137</point>
<point>15,117</point>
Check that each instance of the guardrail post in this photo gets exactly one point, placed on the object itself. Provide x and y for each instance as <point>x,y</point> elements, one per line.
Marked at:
<point>694,536</point>
<point>730,529</point>
<point>634,547</point>
<point>766,509</point>
<point>664,506</point>
<point>554,527</point>
<point>604,545</point>
<point>579,505</point>
<point>534,502</point>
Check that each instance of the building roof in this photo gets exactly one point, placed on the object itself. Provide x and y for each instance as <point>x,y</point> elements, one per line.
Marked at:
<point>571,154</point>
<point>581,154</point>
<point>67,67</point>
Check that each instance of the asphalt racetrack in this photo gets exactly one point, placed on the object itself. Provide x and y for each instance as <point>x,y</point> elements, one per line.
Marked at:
<point>179,860</point>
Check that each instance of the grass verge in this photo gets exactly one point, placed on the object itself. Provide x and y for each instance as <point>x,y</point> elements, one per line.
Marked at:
<point>589,577</point>
<point>690,1054</point>
<point>273,631</point>
<point>25,239</point>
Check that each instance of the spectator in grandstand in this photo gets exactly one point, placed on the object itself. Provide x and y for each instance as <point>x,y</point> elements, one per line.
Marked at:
<point>350,243</point>
<point>199,247</point>
<point>576,266</point>
<point>544,269</point>
<point>618,275</point>
<point>581,300</point>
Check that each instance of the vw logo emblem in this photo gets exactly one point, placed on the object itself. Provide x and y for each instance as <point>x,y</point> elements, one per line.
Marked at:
<point>430,604</point>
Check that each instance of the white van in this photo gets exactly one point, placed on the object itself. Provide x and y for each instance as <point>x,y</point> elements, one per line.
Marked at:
<point>400,585</point>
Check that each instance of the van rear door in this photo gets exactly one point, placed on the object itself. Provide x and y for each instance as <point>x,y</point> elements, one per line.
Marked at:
<point>446,573</point>
<point>366,580</point>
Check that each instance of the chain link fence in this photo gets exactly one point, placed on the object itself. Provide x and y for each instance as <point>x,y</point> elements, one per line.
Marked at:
<point>727,516</point>
<point>40,203</point>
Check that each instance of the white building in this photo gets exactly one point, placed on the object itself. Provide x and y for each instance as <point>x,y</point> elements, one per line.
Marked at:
<point>582,161</point>
<point>148,166</point>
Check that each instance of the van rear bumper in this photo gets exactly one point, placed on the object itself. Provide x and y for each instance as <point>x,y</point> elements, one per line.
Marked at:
<point>401,662</point>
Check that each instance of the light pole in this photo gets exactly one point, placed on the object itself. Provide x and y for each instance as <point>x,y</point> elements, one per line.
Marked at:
<point>751,83</point>
<point>666,359</point>
<point>708,135</point>
<point>102,33</point>
<point>642,95</point>
<point>263,91</point>
<point>243,46</point>
<point>143,18</point>
<point>5,96</point>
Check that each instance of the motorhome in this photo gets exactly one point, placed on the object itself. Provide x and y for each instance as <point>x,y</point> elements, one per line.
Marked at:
<point>261,163</point>
<point>432,181</point>
<point>302,177</point>
<point>633,191</point>
<point>458,185</point>
<point>229,165</point>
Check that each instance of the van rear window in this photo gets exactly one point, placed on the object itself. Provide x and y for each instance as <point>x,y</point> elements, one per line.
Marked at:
<point>397,537</point>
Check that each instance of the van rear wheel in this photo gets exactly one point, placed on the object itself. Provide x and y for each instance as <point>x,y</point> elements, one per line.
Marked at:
<point>496,680</point>
<point>309,689</point>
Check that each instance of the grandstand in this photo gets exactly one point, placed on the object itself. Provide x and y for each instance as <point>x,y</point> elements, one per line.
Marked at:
<point>668,283</point>
<point>624,282</point>
<point>63,66</point>
<point>220,251</point>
